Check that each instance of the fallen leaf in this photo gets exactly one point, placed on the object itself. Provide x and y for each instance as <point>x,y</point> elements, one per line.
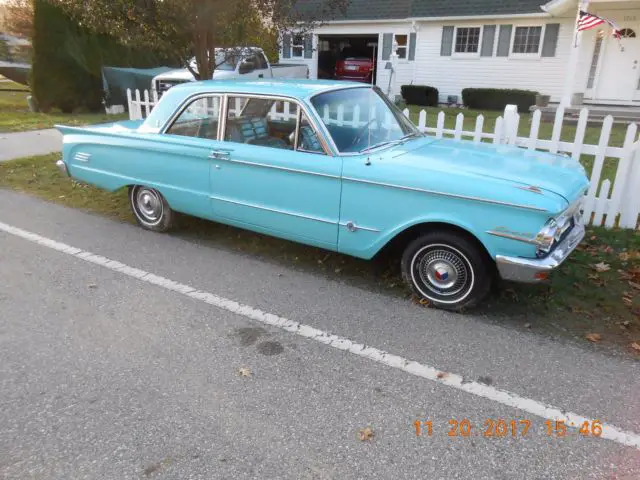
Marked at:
<point>627,300</point>
<point>441,375</point>
<point>601,267</point>
<point>244,372</point>
<point>624,256</point>
<point>365,434</point>
<point>423,301</point>
<point>606,249</point>
<point>338,270</point>
<point>92,285</point>
<point>593,337</point>
<point>594,276</point>
<point>636,346</point>
<point>527,325</point>
<point>593,237</point>
<point>634,285</point>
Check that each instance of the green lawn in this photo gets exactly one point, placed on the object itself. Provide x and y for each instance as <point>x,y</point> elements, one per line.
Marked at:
<point>579,300</point>
<point>15,115</point>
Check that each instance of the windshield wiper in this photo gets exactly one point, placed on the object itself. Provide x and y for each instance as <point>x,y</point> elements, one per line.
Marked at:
<point>381,144</point>
<point>391,142</point>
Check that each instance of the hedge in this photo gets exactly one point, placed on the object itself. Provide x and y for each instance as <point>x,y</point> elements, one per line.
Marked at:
<point>68,60</point>
<point>419,95</point>
<point>498,98</point>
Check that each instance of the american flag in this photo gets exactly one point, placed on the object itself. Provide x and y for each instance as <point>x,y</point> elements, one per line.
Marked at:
<point>587,21</point>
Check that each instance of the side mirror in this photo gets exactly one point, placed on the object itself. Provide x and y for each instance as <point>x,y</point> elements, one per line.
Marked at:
<point>246,67</point>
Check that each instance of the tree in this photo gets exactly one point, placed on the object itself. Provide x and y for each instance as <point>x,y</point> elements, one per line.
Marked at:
<point>200,29</point>
<point>18,18</point>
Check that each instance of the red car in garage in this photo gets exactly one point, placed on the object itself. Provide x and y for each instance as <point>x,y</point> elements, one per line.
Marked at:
<point>355,66</point>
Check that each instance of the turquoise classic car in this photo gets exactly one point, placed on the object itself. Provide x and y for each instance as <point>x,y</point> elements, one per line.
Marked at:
<point>338,166</point>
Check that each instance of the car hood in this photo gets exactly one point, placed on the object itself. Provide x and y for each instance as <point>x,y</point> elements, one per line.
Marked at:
<point>553,173</point>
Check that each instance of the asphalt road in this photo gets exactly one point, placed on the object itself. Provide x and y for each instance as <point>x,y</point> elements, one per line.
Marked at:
<point>107,376</point>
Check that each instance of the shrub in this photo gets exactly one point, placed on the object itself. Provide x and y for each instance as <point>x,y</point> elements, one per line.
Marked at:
<point>420,95</point>
<point>498,98</point>
<point>57,80</point>
<point>5,51</point>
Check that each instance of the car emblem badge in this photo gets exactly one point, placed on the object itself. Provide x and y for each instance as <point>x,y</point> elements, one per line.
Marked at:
<point>442,275</point>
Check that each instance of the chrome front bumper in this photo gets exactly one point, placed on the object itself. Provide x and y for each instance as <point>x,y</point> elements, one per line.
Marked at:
<point>62,167</point>
<point>534,270</point>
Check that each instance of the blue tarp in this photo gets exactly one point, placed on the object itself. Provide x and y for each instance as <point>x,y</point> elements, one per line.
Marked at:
<point>117,80</point>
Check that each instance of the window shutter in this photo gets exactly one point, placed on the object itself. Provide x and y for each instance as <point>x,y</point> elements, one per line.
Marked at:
<point>488,37</point>
<point>286,45</point>
<point>550,40</point>
<point>447,42</point>
<point>387,45</point>
<point>412,46</point>
<point>504,40</point>
<point>308,46</point>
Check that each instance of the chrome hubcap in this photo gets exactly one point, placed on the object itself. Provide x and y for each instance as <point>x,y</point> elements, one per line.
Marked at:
<point>149,205</point>
<point>442,271</point>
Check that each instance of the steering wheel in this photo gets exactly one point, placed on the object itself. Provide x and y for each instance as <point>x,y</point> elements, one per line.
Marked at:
<point>362,130</point>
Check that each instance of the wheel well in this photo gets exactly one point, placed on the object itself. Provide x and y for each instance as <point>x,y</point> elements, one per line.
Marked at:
<point>402,239</point>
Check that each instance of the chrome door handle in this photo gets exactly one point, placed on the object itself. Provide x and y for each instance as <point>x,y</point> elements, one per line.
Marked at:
<point>220,154</point>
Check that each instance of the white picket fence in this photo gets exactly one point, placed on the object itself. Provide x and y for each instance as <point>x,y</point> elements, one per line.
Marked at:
<point>609,202</point>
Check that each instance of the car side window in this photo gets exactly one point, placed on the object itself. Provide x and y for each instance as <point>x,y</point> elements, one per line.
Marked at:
<point>261,61</point>
<point>199,119</point>
<point>266,122</point>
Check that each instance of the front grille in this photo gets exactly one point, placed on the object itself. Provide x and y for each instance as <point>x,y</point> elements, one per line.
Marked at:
<point>164,85</point>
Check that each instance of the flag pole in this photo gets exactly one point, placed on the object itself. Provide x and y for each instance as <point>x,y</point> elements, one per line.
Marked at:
<point>572,64</point>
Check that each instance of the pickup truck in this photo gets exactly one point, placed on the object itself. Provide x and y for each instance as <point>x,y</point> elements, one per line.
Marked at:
<point>248,63</point>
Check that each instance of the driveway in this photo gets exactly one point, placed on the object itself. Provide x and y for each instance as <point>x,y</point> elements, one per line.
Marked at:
<point>27,144</point>
<point>128,354</point>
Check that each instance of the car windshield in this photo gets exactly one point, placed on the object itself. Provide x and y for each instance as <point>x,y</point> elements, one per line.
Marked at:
<point>361,119</point>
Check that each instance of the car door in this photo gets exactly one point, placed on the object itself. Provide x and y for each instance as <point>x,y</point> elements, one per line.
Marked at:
<point>275,180</point>
<point>252,67</point>
<point>180,167</point>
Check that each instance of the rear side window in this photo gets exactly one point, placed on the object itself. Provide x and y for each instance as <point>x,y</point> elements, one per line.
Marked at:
<point>199,119</point>
<point>264,122</point>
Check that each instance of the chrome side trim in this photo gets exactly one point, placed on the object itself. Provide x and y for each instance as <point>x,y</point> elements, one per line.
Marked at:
<point>274,210</point>
<point>444,194</point>
<point>82,157</point>
<point>517,238</point>
<point>277,167</point>
<point>353,227</point>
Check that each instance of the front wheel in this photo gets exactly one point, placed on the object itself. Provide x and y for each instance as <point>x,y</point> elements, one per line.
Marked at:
<point>448,270</point>
<point>150,208</point>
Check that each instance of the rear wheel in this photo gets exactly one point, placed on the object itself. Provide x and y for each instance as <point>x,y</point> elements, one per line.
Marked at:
<point>150,208</point>
<point>448,270</point>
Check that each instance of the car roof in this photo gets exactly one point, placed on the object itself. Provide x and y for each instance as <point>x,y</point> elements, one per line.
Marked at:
<point>297,88</point>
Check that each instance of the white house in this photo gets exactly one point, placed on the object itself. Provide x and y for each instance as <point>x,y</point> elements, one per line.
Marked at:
<point>454,44</point>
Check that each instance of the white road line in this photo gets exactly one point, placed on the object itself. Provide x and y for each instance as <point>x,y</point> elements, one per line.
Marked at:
<point>533,407</point>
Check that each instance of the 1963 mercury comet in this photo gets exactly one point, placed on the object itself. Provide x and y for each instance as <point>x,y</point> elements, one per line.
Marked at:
<point>336,165</point>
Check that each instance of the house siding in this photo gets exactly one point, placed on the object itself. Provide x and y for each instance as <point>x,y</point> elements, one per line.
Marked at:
<point>451,74</point>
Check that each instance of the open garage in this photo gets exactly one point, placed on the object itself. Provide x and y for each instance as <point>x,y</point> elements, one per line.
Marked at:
<point>347,57</point>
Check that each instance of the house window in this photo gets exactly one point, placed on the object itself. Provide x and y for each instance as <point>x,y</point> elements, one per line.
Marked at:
<point>527,40</point>
<point>627,33</point>
<point>467,40</point>
<point>401,41</point>
<point>297,45</point>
